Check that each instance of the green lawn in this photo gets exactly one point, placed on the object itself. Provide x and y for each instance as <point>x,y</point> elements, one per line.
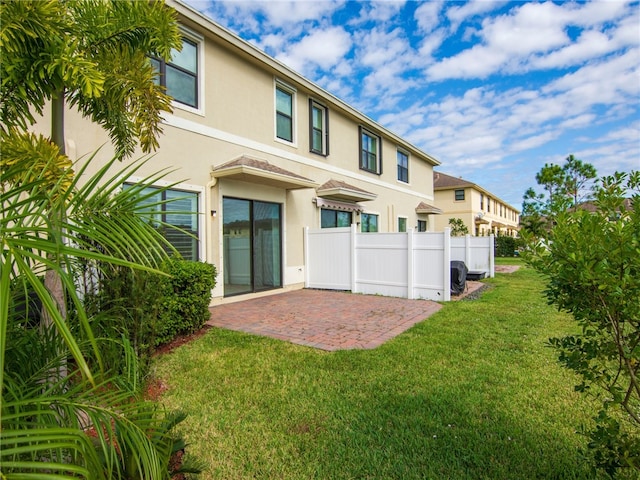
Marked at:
<point>471,393</point>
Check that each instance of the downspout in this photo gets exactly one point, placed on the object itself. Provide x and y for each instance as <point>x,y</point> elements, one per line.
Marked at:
<point>211,214</point>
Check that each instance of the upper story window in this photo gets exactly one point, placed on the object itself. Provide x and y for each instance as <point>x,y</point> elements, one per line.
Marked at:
<point>459,195</point>
<point>403,166</point>
<point>369,222</point>
<point>318,128</point>
<point>180,76</point>
<point>285,101</point>
<point>370,152</point>
<point>481,201</point>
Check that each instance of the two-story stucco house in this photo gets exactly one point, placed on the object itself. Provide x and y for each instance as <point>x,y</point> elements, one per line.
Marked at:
<point>262,152</point>
<point>482,212</point>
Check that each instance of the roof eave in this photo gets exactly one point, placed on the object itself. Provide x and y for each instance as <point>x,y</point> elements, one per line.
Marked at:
<point>247,173</point>
<point>202,20</point>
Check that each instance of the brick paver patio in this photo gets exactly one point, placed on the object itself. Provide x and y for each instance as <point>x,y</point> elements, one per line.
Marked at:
<point>324,319</point>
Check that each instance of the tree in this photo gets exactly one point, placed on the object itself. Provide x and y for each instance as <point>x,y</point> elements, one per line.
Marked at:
<point>552,178</point>
<point>565,187</point>
<point>458,228</point>
<point>46,419</point>
<point>93,56</point>
<point>532,218</point>
<point>577,176</point>
<point>591,261</point>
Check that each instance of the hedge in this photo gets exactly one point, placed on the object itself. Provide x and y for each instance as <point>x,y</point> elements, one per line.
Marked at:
<point>185,298</point>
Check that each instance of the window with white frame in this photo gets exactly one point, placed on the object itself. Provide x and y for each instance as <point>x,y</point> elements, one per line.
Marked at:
<point>285,102</point>
<point>368,222</point>
<point>402,224</point>
<point>318,128</point>
<point>181,75</point>
<point>175,214</point>
<point>403,166</point>
<point>370,152</point>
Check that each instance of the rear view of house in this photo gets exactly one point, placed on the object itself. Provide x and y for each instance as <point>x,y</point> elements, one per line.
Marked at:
<point>261,152</point>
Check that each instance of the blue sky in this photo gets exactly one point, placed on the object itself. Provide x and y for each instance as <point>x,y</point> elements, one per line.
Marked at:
<point>494,90</point>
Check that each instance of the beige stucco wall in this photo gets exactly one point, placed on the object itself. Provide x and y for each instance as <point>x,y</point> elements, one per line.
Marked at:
<point>469,208</point>
<point>237,118</point>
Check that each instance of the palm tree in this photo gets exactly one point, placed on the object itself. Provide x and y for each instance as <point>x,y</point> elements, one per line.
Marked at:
<point>46,421</point>
<point>93,54</point>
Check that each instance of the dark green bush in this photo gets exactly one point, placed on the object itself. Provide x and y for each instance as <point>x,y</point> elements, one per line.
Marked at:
<point>507,246</point>
<point>186,294</point>
<point>126,303</point>
<point>151,309</point>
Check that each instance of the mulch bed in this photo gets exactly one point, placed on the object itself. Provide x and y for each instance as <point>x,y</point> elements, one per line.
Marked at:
<point>180,340</point>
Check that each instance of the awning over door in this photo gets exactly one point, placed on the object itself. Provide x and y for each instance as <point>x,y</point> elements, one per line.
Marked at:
<point>427,209</point>
<point>248,169</point>
<point>335,205</point>
<point>341,191</point>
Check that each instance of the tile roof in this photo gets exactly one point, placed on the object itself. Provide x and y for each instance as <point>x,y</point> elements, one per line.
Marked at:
<point>246,161</point>
<point>428,209</point>
<point>442,181</point>
<point>331,184</point>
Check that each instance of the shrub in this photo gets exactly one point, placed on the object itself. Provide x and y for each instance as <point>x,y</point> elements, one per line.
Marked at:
<point>592,267</point>
<point>506,246</point>
<point>125,303</point>
<point>150,309</point>
<point>458,228</point>
<point>184,306</point>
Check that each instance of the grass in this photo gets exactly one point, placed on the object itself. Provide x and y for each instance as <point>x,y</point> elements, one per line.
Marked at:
<point>470,393</point>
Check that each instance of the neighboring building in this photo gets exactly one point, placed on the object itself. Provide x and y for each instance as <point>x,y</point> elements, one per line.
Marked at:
<point>589,206</point>
<point>261,152</point>
<point>482,212</point>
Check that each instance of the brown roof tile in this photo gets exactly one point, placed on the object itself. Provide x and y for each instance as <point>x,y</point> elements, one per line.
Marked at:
<point>443,181</point>
<point>260,165</point>
<point>339,184</point>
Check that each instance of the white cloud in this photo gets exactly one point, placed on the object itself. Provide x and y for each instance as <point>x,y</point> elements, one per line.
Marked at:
<point>535,36</point>
<point>506,40</point>
<point>598,12</point>
<point>533,141</point>
<point>273,41</point>
<point>458,14</point>
<point>431,43</point>
<point>428,16</point>
<point>378,12</point>
<point>378,47</point>
<point>282,13</point>
<point>478,62</point>
<point>589,45</point>
<point>386,56</point>
<point>320,48</point>
<point>613,80</point>
<point>579,121</point>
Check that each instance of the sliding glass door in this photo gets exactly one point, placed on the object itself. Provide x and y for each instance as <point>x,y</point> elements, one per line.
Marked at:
<point>252,246</point>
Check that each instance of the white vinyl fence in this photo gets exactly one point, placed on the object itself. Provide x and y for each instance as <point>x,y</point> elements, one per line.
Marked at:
<point>410,265</point>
